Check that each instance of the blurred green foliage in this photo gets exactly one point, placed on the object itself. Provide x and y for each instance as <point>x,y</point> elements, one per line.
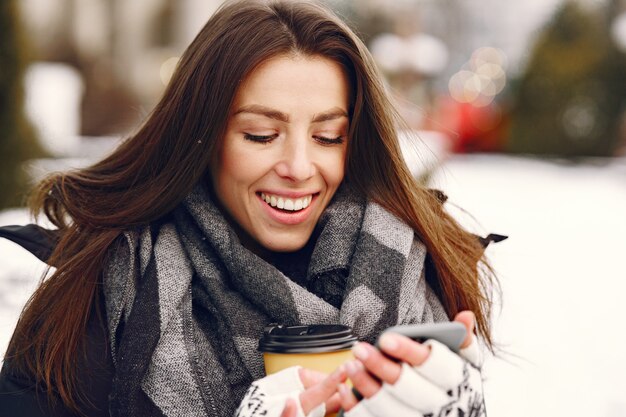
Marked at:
<point>17,140</point>
<point>570,100</point>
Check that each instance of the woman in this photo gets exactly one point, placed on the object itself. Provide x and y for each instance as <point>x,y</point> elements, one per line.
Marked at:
<point>266,186</point>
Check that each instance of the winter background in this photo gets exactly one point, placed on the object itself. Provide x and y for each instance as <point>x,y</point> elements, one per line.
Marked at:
<point>558,325</point>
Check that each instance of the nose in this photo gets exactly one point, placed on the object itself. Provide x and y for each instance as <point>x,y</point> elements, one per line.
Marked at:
<point>296,162</point>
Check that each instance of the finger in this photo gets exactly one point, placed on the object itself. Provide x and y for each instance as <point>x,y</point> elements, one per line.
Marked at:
<point>290,409</point>
<point>361,379</point>
<point>376,363</point>
<point>333,404</point>
<point>319,393</point>
<point>404,349</point>
<point>310,377</point>
<point>468,319</point>
<point>347,398</point>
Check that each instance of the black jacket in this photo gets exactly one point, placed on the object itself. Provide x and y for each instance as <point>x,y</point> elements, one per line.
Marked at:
<point>19,397</point>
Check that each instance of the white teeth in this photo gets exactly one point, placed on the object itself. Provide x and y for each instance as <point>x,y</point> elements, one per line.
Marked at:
<point>291,204</point>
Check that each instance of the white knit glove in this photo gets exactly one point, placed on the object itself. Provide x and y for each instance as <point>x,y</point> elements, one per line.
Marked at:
<point>267,396</point>
<point>446,384</point>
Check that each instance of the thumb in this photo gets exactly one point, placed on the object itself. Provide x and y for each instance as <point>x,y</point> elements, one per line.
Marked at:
<point>468,319</point>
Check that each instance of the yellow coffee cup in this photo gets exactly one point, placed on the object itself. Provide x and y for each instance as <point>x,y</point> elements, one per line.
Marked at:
<point>322,347</point>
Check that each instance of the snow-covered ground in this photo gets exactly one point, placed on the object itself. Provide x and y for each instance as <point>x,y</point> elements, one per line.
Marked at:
<point>563,280</point>
<point>562,275</point>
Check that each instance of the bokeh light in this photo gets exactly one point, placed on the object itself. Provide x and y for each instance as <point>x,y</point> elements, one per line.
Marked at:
<point>618,31</point>
<point>420,53</point>
<point>482,78</point>
<point>580,118</point>
<point>388,50</point>
<point>167,69</point>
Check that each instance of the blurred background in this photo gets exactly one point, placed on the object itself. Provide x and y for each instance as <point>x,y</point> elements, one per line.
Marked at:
<point>520,114</point>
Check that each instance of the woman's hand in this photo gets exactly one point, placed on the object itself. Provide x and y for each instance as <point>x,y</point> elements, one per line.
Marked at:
<point>320,389</point>
<point>293,392</point>
<point>420,383</point>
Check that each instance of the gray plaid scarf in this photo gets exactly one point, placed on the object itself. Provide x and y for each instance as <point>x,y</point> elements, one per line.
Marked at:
<point>187,303</point>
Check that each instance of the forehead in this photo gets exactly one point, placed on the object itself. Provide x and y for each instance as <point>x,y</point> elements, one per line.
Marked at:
<point>295,80</point>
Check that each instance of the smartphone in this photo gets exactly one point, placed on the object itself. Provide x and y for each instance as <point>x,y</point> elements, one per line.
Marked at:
<point>450,333</point>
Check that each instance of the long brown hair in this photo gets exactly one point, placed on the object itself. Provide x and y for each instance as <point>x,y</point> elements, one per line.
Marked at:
<point>153,170</point>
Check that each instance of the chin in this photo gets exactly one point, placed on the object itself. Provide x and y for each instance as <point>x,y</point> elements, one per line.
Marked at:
<point>286,246</point>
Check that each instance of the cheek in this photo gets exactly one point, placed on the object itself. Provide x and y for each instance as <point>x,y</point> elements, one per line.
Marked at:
<point>334,168</point>
<point>238,169</point>
<point>231,165</point>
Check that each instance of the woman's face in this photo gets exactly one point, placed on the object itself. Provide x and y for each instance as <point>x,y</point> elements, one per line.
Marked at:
<point>283,155</point>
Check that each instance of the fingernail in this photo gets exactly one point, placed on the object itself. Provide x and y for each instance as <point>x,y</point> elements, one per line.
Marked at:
<point>350,367</point>
<point>353,367</point>
<point>360,351</point>
<point>423,349</point>
<point>340,372</point>
<point>388,342</point>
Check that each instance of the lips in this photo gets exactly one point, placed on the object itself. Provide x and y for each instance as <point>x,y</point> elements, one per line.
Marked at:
<point>297,207</point>
<point>287,203</point>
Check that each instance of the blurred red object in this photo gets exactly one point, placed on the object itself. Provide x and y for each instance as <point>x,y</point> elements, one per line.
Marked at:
<point>472,128</point>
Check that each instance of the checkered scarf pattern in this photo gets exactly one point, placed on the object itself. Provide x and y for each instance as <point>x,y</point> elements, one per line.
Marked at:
<point>187,303</point>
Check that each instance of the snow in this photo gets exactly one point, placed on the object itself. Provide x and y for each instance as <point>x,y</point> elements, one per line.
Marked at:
<point>562,276</point>
<point>561,273</point>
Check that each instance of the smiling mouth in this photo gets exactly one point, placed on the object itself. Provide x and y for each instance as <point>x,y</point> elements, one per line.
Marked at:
<point>287,204</point>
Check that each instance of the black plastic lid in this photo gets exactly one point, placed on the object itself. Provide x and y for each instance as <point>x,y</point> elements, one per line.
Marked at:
<point>317,338</point>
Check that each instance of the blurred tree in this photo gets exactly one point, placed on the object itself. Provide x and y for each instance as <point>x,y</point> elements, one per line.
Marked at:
<point>108,104</point>
<point>17,140</point>
<point>571,97</point>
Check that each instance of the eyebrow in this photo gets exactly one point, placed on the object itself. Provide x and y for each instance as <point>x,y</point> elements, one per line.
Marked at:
<point>332,114</point>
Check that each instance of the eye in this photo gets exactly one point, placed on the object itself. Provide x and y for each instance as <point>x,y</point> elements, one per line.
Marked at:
<point>259,138</point>
<point>329,141</point>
